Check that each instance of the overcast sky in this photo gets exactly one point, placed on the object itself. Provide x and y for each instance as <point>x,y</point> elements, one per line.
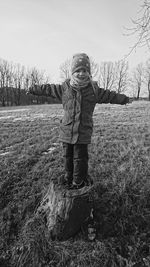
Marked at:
<point>44,33</point>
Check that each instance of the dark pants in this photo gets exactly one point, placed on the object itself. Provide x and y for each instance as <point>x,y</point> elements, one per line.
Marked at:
<point>76,162</point>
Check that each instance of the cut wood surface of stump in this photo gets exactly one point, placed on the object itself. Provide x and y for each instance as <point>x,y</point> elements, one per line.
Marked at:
<point>65,210</point>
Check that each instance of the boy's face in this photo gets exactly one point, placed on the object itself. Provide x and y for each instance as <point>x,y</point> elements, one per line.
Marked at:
<point>81,73</point>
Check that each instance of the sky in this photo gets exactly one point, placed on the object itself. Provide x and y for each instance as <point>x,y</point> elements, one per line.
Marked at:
<point>45,33</point>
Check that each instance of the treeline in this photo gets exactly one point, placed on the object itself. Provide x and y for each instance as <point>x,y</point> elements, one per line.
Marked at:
<point>16,79</point>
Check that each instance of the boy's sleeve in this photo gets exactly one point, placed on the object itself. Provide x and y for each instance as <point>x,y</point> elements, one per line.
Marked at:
<point>107,96</point>
<point>52,90</point>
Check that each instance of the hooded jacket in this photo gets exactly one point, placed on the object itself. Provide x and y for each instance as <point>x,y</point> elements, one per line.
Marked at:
<point>78,104</point>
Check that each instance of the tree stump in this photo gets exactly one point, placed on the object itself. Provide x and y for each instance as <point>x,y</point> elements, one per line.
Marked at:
<point>65,210</point>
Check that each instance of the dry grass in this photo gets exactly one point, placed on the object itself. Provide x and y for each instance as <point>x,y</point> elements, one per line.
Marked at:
<point>119,163</point>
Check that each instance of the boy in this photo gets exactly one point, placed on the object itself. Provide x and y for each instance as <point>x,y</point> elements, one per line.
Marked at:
<point>79,95</point>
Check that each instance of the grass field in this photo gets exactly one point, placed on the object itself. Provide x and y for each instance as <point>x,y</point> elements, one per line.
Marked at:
<point>31,155</point>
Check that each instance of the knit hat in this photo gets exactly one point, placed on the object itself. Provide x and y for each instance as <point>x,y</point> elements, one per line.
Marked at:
<point>80,61</point>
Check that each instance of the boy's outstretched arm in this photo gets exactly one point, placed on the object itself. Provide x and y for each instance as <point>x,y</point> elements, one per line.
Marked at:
<point>52,90</point>
<point>107,96</point>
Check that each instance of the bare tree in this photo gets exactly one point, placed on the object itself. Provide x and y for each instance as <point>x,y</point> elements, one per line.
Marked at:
<point>121,77</point>
<point>2,83</point>
<point>141,26</point>
<point>37,77</point>
<point>107,75</point>
<point>65,70</point>
<point>27,82</point>
<point>147,77</point>
<point>137,79</point>
<point>9,85</point>
<point>5,81</point>
<point>18,78</point>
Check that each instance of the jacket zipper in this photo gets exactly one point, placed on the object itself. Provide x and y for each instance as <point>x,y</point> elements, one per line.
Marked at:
<point>73,121</point>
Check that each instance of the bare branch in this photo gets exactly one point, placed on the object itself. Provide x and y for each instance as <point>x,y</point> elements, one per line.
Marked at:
<point>141,28</point>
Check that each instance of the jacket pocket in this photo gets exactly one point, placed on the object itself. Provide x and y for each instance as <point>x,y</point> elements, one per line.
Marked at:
<point>66,121</point>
